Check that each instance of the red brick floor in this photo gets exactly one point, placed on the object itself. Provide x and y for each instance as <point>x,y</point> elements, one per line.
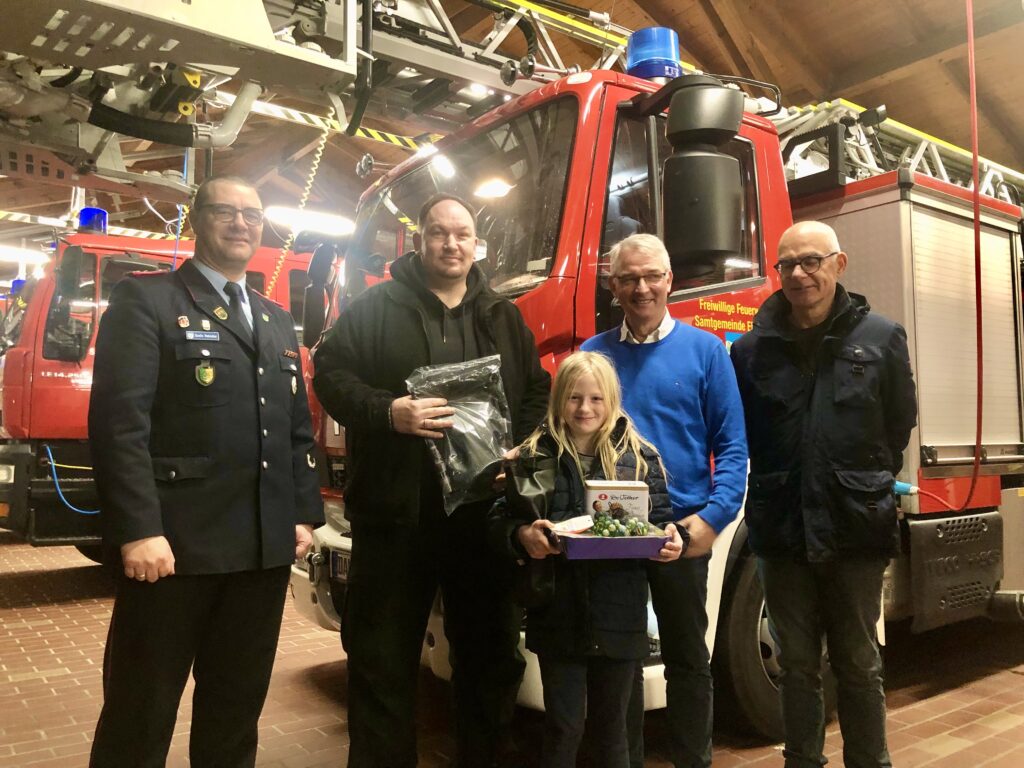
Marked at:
<point>955,694</point>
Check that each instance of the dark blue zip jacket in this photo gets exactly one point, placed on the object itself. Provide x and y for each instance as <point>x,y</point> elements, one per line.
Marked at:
<point>826,433</point>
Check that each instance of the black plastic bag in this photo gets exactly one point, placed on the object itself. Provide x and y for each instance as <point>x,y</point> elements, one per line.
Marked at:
<point>469,456</point>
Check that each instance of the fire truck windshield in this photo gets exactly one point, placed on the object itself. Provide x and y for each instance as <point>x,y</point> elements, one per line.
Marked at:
<point>514,173</point>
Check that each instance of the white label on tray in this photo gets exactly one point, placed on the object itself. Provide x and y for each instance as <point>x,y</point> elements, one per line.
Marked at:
<point>618,498</point>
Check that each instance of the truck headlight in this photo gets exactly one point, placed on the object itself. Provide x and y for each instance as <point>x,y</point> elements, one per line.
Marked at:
<point>6,474</point>
<point>334,514</point>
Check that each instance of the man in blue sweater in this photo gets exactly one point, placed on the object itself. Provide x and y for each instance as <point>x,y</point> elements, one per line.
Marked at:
<point>679,388</point>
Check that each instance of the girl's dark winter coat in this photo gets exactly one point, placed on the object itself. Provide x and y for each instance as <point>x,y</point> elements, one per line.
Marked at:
<point>598,607</point>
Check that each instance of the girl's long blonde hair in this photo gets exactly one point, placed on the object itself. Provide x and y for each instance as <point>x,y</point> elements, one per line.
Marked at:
<point>607,450</point>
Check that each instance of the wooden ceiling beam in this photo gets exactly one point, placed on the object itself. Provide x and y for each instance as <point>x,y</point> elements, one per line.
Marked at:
<point>288,156</point>
<point>990,113</point>
<point>945,45</point>
<point>727,46</point>
<point>763,21</point>
<point>740,30</point>
<point>992,118</point>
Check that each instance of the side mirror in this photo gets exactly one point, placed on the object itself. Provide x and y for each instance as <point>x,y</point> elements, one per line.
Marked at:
<point>314,314</point>
<point>69,272</point>
<point>702,185</point>
<point>375,264</point>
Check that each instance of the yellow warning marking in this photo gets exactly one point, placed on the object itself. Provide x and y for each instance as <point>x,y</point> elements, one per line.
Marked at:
<point>328,123</point>
<point>601,35</point>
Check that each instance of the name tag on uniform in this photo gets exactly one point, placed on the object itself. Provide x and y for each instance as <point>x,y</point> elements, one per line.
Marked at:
<point>202,335</point>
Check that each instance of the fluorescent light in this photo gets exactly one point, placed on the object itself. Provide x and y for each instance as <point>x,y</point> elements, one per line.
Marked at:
<point>739,263</point>
<point>443,166</point>
<point>38,272</point>
<point>477,89</point>
<point>493,188</point>
<point>11,255</point>
<point>310,221</point>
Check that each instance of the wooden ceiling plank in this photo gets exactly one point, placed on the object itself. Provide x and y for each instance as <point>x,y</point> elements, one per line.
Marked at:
<point>764,21</point>
<point>740,32</point>
<point>944,46</point>
<point>724,40</point>
<point>990,113</point>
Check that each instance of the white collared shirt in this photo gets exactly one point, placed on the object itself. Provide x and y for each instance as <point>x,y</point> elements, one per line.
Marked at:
<point>667,324</point>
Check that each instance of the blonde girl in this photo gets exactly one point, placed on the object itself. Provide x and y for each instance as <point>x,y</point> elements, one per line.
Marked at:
<point>592,628</point>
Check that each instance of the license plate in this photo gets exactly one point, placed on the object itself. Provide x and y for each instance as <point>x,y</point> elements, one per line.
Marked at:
<point>340,562</point>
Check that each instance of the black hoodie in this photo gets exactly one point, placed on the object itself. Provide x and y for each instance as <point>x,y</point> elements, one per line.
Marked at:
<point>361,367</point>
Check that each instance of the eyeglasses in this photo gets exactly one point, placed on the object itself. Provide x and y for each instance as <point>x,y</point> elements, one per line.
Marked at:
<point>227,213</point>
<point>809,264</point>
<point>651,278</point>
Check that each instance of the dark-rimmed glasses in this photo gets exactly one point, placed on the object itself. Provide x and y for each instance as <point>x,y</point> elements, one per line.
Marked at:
<point>810,263</point>
<point>632,281</point>
<point>227,213</point>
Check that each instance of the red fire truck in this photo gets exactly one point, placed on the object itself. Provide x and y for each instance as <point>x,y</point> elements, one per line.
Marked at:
<point>567,170</point>
<point>47,344</point>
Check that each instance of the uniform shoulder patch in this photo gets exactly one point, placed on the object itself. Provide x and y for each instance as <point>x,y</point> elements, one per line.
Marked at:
<point>149,272</point>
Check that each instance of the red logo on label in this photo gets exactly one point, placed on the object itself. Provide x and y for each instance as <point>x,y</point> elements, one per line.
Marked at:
<point>602,496</point>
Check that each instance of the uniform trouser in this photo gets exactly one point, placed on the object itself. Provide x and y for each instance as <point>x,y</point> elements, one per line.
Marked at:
<point>679,592</point>
<point>592,689</point>
<point>393,578</point>
<point>225,628</point>
<point>841,600</point>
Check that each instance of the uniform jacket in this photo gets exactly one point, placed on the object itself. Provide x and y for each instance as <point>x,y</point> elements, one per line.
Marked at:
<point>825,437</point>
<point>205,440</point>
<point>361,367</point>
<point>596,607</point>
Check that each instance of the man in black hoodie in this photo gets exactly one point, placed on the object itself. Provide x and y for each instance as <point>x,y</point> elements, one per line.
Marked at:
<point>436,309</point>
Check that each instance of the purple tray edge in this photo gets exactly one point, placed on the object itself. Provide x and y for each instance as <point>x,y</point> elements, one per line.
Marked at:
<point>601,548</point>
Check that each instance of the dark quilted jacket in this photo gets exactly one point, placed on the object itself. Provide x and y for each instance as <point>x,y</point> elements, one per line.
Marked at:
<point>598,607</point>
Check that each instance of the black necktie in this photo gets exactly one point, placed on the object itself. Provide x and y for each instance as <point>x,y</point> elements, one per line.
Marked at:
<point>234,292</point>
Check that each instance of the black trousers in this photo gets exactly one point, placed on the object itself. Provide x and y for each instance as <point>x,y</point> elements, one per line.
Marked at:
<point>393,578</point>
<point>679,591</point>
<point>224,628</point>
<point>577,690</point>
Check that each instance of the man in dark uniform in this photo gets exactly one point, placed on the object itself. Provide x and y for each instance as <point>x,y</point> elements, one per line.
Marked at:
<point>437,308</point>
<point>202,446</point>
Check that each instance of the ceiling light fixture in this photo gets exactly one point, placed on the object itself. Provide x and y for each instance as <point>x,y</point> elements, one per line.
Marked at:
<point>310,221</point>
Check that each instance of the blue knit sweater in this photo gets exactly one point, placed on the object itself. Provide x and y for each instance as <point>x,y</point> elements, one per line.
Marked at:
<point>681,393</point>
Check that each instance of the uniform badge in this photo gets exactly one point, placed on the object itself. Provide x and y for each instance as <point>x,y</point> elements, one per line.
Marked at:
<point>205,374</point>
<point>311,461</point>
<point>205,323</point>
<point>266,317</point>
<point>183,321</point>
<point>221,313</point>
<point>295,384</point>
<point>290,353</point>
